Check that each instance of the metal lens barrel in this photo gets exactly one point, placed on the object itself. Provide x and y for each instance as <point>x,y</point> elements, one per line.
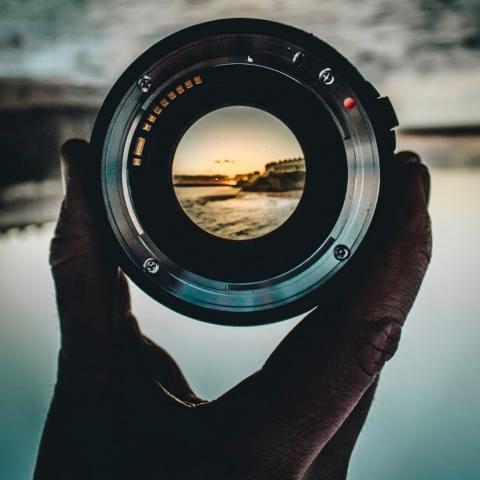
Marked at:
<point>343,127</point>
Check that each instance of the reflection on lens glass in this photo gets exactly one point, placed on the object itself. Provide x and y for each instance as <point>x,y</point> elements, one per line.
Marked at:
<point>238,172</point>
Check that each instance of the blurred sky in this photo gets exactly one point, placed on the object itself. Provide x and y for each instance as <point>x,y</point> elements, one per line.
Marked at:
<point>425,47</point>
<point>234,140</point>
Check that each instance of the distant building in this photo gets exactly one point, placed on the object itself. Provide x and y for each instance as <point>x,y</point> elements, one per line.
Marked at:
<point>245,177</point>
<point>286,166</point>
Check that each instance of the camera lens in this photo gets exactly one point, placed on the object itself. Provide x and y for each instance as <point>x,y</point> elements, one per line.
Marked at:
<point>238,172</point>
<point>241,163</point>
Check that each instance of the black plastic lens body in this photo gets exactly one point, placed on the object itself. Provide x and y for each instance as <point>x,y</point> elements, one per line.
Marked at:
<point>342,125</point>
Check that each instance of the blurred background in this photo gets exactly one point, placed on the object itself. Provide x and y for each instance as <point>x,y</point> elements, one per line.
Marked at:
<point>58,59</point>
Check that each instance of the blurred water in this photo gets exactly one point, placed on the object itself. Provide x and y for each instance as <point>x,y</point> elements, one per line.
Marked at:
<point>424,423</point>
<point>229,213</point>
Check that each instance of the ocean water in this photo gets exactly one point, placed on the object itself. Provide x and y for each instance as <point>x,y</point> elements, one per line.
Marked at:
<point>424,423</point>
<point>231,213</point>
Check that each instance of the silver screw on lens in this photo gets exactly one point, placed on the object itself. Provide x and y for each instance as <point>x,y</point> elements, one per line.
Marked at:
<point>341,252</point>
<point>151,266</point>
<point>144,83</point>
<point>298,59</point>
<point>326,76</point>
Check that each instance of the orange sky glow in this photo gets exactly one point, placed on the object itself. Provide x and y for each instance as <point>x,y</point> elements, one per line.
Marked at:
<point>234,140</point>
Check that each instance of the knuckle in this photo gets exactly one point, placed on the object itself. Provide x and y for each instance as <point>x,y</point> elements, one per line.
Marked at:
<point>57,251</point>
<point>376,313</point>
<point>376,343</point>
<point>83,244</point>
<point>63,250</point>
<point>416,221</point>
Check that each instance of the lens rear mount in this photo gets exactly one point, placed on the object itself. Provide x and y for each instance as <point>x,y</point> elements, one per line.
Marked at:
<point>345,130</point>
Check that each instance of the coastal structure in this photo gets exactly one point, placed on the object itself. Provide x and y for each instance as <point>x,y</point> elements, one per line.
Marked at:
<point>288,165</point>
<point>282,175</point>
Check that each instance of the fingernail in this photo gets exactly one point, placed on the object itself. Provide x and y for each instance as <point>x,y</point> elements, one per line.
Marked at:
<point>407,158</point>
<point>74,149</point>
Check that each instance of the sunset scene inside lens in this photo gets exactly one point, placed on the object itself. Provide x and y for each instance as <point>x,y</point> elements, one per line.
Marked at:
<point>238,172</point>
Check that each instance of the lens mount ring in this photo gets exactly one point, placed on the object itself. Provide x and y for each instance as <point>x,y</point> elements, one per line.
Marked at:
<point>185,62</point>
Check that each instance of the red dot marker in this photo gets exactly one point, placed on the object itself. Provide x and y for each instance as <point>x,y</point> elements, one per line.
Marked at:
<point>349,103</point>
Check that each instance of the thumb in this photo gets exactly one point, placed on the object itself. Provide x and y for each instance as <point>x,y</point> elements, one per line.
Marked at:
<point>76,233</point>
<point>91,298</point>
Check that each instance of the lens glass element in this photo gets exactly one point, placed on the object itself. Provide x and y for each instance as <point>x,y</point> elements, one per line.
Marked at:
<point>238,172</point>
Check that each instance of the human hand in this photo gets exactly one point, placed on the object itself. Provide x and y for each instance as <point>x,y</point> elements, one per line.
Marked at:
<point>123,409</point>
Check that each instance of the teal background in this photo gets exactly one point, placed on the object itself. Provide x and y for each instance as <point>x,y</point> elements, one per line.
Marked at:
<point>424,423</point>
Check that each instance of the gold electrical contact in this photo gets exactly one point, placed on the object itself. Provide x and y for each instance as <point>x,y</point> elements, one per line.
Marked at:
<point>138,150</point>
